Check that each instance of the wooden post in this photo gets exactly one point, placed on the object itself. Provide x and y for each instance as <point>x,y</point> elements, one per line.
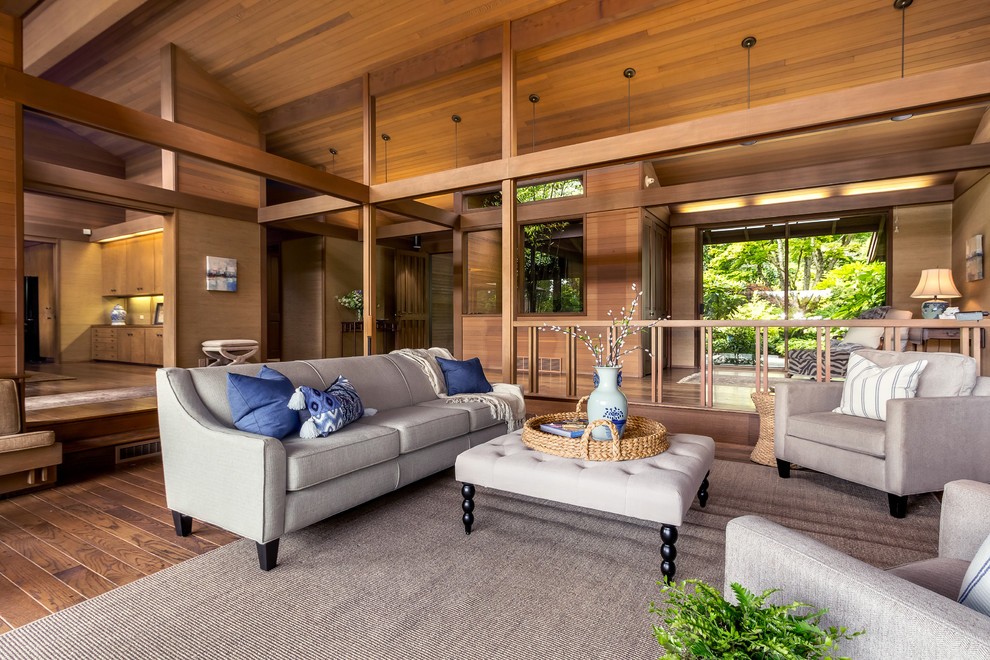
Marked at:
<point>510,239</point>
<point>369,284</point>
<point>11,212</point>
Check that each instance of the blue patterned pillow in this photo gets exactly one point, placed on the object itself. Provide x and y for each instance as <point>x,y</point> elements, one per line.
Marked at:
<point>330,410</point>
<point>257,405</point>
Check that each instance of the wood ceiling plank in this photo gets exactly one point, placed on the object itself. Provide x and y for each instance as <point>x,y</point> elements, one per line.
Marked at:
<point>573,17</point>
<point>54,100</point>
<point>59,27</point>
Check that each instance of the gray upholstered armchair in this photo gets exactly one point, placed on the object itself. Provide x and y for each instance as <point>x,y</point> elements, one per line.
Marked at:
<point>941,435</point>
<point>907,612</point>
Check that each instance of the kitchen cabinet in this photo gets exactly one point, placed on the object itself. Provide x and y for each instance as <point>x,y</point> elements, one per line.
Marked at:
<point>129,343</point>
<point>133,266</point>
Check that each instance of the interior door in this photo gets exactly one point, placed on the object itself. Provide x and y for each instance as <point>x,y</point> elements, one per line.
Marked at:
<point>412,299</point>
<point>39,261</point>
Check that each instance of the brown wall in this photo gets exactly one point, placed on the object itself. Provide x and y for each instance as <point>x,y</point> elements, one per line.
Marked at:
<point>302,298</point>
<point>923,240</point>
<point>11,213</point>
<point>80,302</point>
<point>971,216</point>
<point>684,294</point>
<point>200,314</point>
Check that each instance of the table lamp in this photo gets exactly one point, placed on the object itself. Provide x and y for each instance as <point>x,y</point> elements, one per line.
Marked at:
<point>935,283</point>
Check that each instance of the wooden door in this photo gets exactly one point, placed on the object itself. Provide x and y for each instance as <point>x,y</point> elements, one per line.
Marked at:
<point>140,271</point>
<point>114,256</point>
<point>154,346</point>
<point>39,261</point>
<point>131,345</point>
<point>412,298</point>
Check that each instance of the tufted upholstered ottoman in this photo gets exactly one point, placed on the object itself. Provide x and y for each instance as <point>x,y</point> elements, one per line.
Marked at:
<point>659,489</point>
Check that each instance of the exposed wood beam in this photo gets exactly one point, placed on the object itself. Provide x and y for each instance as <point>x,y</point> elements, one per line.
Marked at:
<point>369,222</point>
<point>60,27</point>
<point>446,59</point>
<point>410,208</point>
<point>135,226</point>
<point>892,166</point>
<point>877,101</point>
<point>932,195</point>
<point>309,226</point>
<point>508,93</point>
<point>408,229</point>
<point>510,304</point>
<point>68,182</point>
<point>574,17</point>
<point>313,107</point>
<point>302,208</point>
<point>57,101</point>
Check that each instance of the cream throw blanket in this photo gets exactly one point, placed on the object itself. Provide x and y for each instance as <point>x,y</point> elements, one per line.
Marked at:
<point>505,400</point>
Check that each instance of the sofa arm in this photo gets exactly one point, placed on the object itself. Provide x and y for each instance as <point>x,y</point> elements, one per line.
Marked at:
<point>901,620</point>
<point>799,397</point>
<point>965,522</point>
<point>224,476</point>
<point>932,441</point>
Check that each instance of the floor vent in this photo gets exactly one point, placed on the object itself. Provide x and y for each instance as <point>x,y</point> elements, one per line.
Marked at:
<point>140,449</point>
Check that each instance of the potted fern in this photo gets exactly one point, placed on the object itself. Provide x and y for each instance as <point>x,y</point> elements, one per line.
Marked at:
<point>702,624</point>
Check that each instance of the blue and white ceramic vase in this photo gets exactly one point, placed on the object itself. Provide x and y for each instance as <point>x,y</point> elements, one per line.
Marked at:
<point>118,316</point>
<point>607,402</point>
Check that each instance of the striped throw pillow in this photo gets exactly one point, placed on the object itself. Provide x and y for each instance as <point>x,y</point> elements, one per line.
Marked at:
<point>869,386</point>
<point>975,592</point>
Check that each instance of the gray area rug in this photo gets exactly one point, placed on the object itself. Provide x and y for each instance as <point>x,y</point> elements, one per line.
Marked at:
<point>398,578</point>
<point>92,396</point>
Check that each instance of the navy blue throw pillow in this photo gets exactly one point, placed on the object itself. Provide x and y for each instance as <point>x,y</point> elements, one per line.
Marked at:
<point>259,405</point>
<point>464,377</point>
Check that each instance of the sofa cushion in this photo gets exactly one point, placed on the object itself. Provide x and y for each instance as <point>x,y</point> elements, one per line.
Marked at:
<point>869,386</point>
<point>975,590</point>
<point>942,575</point>
<point>310,461</point>
<point>421,426</point>
<point>29,440</point>
<point>947,374</point>
<point>260,404</point>
<point>982,386</point>
<point>464,376</point>
<point>479,413</point>
<point>863,436</point>
<point>375,377</point>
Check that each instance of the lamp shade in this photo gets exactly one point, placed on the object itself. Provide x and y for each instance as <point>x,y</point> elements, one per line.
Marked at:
<point>936,283</point>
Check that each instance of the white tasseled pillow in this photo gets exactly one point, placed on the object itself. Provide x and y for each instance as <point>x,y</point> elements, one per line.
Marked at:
<point>975,592</point>
<point>869,386</point>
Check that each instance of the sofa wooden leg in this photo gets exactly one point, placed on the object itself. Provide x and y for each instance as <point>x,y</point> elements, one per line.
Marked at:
<point>183,524</point>
<point>467,492</point>
<point>668,534</point>
<point>783,468</point>
<point>267,555</point>
<point>898,505</point>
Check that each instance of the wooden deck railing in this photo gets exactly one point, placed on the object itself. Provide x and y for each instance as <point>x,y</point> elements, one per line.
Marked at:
<point>970,343</point>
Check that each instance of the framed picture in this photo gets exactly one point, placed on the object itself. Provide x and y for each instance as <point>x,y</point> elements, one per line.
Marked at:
<point>159,314</point>
<point>221,274</point>
<point>974,258</point>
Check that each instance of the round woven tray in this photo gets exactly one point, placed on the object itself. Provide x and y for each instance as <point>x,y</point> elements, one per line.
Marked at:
<point>641,438</point>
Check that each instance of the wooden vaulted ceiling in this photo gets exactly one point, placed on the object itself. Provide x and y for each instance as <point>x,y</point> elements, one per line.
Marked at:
<point>687,55</point>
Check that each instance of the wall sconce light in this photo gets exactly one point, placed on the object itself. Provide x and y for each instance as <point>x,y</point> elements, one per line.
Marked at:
<point>385,138</point>
<point>417,242</point>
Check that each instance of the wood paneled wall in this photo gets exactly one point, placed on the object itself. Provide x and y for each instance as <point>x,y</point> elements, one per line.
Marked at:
<point>923,240</point>
<point>971,216</point>
<point>64,218</point>
<point>442,300</point>
<point>80,302</point>
<point>11,213</point>
<point>50,142</point>
<point>303,298</point>
<point>197,314</point>
<point>684,297</point>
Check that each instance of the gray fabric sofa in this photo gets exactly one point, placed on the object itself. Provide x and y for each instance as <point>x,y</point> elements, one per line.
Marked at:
<point>908,611</point>
<point>936,437</point>
<point>261,487</point>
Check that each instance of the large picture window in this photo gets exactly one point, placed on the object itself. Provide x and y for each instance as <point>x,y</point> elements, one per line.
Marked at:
<point>553,267</point>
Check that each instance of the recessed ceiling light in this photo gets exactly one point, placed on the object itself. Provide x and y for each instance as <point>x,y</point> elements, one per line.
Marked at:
<point>901,117</point>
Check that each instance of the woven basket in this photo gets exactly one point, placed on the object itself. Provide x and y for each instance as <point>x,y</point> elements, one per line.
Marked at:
<point>641,438</point>
<point>763,451</point>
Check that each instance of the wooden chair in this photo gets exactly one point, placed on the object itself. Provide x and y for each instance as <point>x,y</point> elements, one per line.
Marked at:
<point>27,459</point>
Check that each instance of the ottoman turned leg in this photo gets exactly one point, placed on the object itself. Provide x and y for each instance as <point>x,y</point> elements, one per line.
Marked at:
<point>703,491</point>
<point>668,534</point>
<point>467,492</point>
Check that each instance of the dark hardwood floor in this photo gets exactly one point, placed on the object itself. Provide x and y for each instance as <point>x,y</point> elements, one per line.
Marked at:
<point>86,376</point>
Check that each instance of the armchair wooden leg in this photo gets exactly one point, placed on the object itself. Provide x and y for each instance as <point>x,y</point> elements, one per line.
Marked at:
<point>898,505</point>
<point>784,469</point>
<point>268,555</point>
<point>183,524</point>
